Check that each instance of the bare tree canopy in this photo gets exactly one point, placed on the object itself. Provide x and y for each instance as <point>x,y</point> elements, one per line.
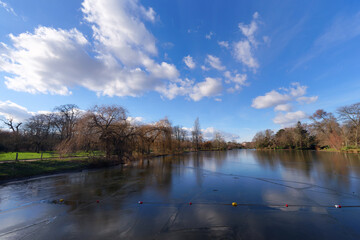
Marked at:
<point>351,115</point>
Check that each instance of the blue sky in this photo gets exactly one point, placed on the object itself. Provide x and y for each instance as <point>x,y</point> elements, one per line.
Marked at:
<point>240,66</point>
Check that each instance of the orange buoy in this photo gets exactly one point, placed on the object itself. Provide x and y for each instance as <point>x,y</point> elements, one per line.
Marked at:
<point>234,204</point>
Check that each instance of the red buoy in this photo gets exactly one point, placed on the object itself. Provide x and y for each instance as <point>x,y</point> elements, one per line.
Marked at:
<point>97,201</point>
<point>140,202</point>
<point>190,203</point>
<point>286,205</point>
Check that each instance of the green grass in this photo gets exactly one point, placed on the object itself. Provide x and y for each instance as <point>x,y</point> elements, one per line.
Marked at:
<point>46,155</point>
<point>15,170</point>
<point>26,155</point>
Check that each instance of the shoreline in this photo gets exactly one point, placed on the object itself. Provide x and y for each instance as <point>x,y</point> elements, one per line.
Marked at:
<point>315,150</point>
<point>11,171</point>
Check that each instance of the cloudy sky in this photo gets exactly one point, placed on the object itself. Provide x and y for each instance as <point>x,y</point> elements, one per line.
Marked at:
<point>240,66</point>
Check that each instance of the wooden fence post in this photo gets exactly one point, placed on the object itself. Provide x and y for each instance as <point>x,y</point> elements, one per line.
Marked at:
<point>17,154</point>
<point>41,155</point>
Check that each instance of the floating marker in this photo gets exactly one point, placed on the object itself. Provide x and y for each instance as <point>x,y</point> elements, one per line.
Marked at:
<point>97,201</point>
<point>140,202</point>
<point>338,206</point>
<point>61,200</point>
<point>190,203</point>
<point>286,205</point>
<point>234,204</point>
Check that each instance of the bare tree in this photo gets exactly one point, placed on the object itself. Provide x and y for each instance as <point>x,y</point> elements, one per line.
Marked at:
<point>326,129</point>
<point>196,134</point>
<point>14,127</point>
<point>65,119</point>
<point>351,114</point>
<point>38,128</point>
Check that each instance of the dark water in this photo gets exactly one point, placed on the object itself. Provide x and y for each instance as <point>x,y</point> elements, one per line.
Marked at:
<point>311,183</point>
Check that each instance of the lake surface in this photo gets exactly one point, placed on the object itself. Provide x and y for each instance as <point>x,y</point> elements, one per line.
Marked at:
<point>261,182</point>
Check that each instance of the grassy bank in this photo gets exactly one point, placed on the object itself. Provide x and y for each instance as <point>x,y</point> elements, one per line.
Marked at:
<point>16,170</point>
<point>45,155</point>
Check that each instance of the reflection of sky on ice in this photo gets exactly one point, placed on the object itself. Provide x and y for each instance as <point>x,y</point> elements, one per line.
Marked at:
<point>266,181</point>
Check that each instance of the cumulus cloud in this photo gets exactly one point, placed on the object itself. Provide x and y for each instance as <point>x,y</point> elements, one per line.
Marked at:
<point>209,35</point>
<point>236,78</point>
<point>180,88</point>
<point>204,68</point>
<point>275,98</point>
<point>243,49</point>
<point>208,88</point>
<point>243,52</point>
<point>297,90</point>
<point>270,99</point>
<point>281,101</point>
<point>307,100</point>
<point>118,63</point>
<point>210,133</point>
<point>135,120</point>
<point>189,62</point>
<point>215,62</point>
<point>224,44</point>
<point>289,118</point>
<point>283,107</point>
<point>9,109</point>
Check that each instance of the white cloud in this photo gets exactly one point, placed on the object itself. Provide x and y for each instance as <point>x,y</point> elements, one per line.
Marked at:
<point>210,132</point>
<point>236,78</point>
<point>135,120</point>
<point>10,109</point>
<point>289,118</point>
<point>243,49</point>
<point>243,53</point>
<point>224,44</point>
<point>283,107</point>
<point>204,68</point>
<point>249,30</point>
<point>282,102</point>
<point>181,88</point>
<point>188,60</point>
<point>209,36</point>
<point>275,98</point>
<point>297,90</point>
<point>270,99</point>
<point>209,88</point>
<point>215,62</point>
<point>307,100</point>
<point>118,63</point>
<point>7,8</point>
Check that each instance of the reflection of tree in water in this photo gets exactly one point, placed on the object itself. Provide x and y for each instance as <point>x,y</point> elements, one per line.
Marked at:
<point>335,167</point>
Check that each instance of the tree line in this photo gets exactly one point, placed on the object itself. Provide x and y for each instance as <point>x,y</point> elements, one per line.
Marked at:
<point>104,128</point>
<point>325,130</point>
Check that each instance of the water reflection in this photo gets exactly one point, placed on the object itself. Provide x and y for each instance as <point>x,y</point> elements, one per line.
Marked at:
<point>264,180</point>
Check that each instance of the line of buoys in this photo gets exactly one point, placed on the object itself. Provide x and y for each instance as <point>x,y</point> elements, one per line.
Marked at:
<point>235,204</point>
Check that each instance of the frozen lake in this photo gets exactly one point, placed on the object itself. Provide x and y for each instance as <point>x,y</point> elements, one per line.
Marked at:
<point>103,204</point>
